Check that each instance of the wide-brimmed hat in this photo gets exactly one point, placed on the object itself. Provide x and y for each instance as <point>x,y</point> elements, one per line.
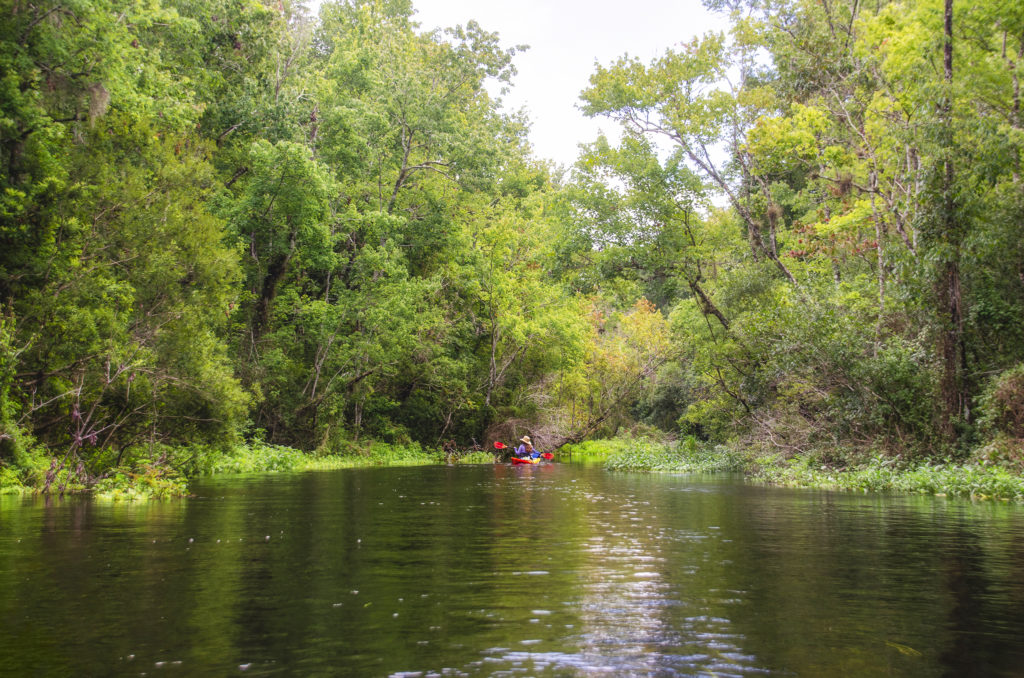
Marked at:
<point>525,439</point>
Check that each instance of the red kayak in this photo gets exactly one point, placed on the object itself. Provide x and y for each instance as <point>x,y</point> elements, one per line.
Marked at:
<point>522,460</point>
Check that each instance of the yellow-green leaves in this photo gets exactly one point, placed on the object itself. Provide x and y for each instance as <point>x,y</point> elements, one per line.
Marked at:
<point>796,137</point>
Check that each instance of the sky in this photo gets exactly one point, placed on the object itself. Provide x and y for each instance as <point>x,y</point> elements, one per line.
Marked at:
<point>566,38</point>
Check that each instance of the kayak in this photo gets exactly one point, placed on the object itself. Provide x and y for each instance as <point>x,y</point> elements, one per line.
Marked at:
<point>517,460</point>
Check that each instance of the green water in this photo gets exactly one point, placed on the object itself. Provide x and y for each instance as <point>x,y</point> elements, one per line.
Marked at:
<point>554,570</point>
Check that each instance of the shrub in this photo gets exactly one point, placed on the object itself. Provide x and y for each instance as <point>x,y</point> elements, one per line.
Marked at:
<point>476,457</point>
<point>685,456</point>
<point>154,482</point>
<point>882,474</point>
<point>11,481</point>
<point>1002,451</point>
<point>257,457</point>
<point>1002,404</point>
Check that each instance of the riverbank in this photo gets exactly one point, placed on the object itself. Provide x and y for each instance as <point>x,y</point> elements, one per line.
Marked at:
<point>875,474</point>
<point>168,473</point>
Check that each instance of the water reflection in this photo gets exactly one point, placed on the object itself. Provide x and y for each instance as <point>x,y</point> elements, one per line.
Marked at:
<point>635,614</point>
<point>499,570</point>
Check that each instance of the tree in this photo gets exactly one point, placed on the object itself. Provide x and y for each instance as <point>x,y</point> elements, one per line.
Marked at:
<point>836,157</point>
<point>111,257</point>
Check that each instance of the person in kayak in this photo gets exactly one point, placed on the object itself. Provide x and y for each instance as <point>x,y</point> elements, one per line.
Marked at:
<point>526,449</point>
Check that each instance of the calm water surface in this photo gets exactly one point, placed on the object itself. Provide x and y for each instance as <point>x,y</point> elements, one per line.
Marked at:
<point>556,570</point>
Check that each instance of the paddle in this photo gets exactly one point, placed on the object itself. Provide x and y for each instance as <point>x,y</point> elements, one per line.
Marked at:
<point>498,445</point>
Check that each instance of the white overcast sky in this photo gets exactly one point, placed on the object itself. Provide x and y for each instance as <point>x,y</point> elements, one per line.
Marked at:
<point>566,37</point>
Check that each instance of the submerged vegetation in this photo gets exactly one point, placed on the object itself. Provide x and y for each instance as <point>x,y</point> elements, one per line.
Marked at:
<point>234,236</point>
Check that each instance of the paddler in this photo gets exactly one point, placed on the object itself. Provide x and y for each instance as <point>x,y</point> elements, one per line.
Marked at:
<point>526,449</point>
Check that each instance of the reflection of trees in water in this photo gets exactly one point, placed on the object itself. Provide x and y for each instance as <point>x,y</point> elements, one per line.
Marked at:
<point>575,570</point>
<point>844,585</point>
<point>837,585</point>
<point>985,604</point>
<point>965,652</point>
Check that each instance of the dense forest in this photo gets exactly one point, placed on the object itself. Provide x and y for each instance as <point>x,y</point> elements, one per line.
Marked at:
<point>228,220</point>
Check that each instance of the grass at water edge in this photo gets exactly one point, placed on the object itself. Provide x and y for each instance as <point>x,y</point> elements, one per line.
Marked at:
<point>166,480</point>
<point>877,474</point>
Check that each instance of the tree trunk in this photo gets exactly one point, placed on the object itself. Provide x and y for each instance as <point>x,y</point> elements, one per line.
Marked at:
<point>275,273</point>
<point>953,391</point>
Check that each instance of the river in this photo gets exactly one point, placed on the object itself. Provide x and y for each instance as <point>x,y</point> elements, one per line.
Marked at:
<point>551,570</point>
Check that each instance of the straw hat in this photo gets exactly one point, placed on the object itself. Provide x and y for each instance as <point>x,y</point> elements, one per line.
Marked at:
<point>525,439</point>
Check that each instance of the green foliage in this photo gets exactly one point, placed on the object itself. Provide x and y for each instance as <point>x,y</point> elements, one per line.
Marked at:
<point>25,472</point>
<point>1001,420</point>
<point>11,481</point>
<point>220,218</point>
<point>1001,451</point>
<point>12,438</point>
<point>880,473</point>
<point>685,456</point>
<point>217,216</point>
<point>256,458</point>
<point>888,474</point>
<point>154,482</point>
<point>1002,404</point>
<point>260,457</point>
<point>864,270</point>
<point>381,454</point>
<point>477,457</point>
